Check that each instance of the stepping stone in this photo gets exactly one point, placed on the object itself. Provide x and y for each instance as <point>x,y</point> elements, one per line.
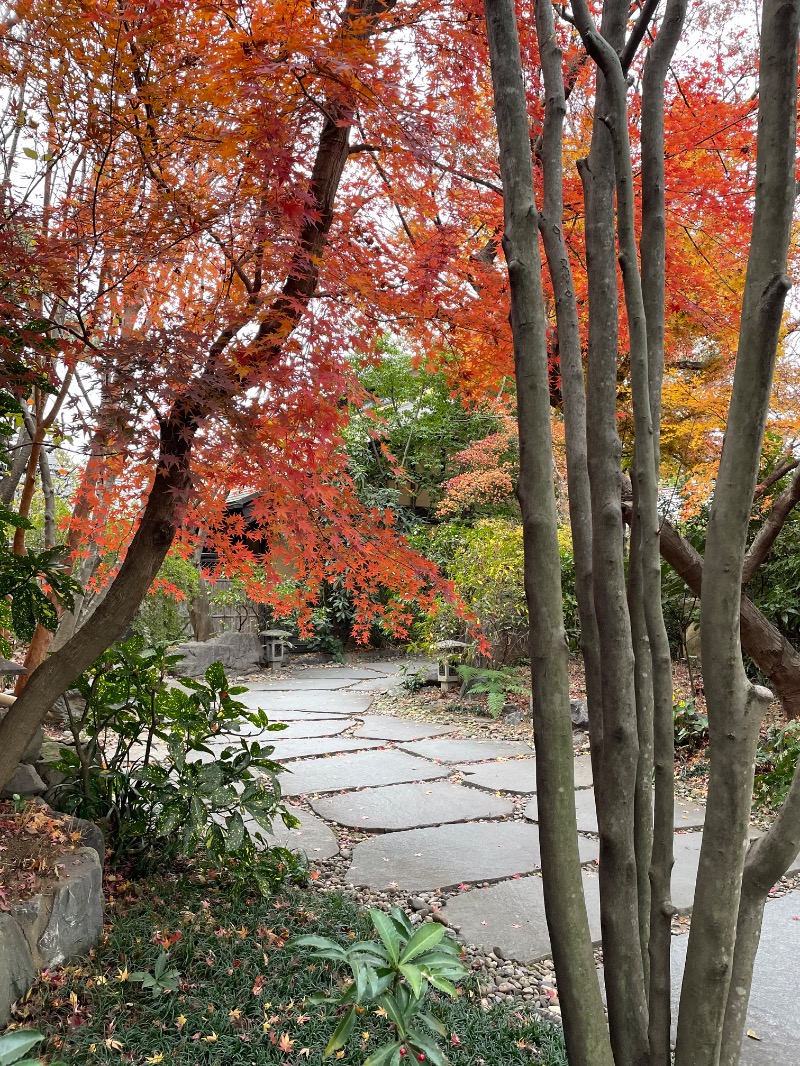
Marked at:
<point>385,728</point>
<point>684,872</point>
<point>336,673</point>
<point>300,716</point>
<point>448,855</point>
<point>470,750</point>
<point>312,837</point>
<point>687,815</point>
<point>378,684</point>
<point>329,727</point>
<point>304,749</point>
<point>387,767</point>
<point>329,704</point>
<point>300,683</point>
<point>510,916</point>
<point>775,998</point>
<point>410,806</point>
<point>518,775</point>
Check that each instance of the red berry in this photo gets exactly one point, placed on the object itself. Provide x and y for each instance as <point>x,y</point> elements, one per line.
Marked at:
<point>403,1051</point>
<point>421,1058</point>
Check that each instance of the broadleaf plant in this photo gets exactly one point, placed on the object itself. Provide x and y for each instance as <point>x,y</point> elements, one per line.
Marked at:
<point>395,973</point>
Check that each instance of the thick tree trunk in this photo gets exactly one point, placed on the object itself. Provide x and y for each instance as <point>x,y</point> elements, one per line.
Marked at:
<point>734,705</point>
<point>579,993</point>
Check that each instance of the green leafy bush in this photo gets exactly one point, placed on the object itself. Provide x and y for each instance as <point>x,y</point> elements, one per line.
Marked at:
<point>395,974</point>
<point>162,618</point>
<point>485,562</point>
<point>777,756</point>
<point>691,727</point>
<point>497,684</point>
<point>143,766</point>
<point>20,582</point>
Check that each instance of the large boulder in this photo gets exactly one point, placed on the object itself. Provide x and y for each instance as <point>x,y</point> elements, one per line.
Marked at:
<point>31,753</point>
<point>239,653</point>
<point>17,971</point>
<point>24,782</point>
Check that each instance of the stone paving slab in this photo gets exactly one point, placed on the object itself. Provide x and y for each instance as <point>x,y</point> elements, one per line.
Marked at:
<point>312,837</point>
<point>774,1007</point>
<point>313,746</point>
<point>326,727</point>
<point>301,683</point>
<point>304,716</point>
<point>448,855</point>
<point>410,806</point>
<point>330,704</point>
<point>517,775</point>
<point>684,872</point>
<point>339,772</point>
<point>333,672</point>
<point>378,684</point>
<point>510,916</point>
<point>688,815</point>
<point>468,750</point>
<point>382,727</point>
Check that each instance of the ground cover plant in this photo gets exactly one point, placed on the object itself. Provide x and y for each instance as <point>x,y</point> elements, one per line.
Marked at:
<point>244,991</point>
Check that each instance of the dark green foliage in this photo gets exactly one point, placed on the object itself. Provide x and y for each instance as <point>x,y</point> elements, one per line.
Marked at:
<point>136,768</point>
<point>776,759</point>
<point>497,684</point>
<point>20,582</point>
<point>243,987</point>
<point>691,727</point>
<point>162,617</point>
<point>396,974</point>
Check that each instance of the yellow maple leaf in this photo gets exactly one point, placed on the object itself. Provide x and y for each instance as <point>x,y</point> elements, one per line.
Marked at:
<point>212,1038</point>
<point>123,974</point>
<point>158,1057</point>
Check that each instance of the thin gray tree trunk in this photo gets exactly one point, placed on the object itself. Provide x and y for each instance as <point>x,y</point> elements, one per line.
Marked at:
<point>579,994</point>
<point>615,788</point>
<point>572,380</point>
<point>652,247</point>
<point>735,706</point>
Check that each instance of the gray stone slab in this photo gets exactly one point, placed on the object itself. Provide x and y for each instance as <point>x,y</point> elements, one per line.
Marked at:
<point>329,703</point>
<point>448,855</point>
<point>410,806</point>
<point>517,775</point>
<point>378,684</point>
<point>300,683</point>
<point>774,1007</point>
<point>327,727</point>
<point>361,770</point>
<point>313,838</point>
<point>684,872</point>
<point>512,775</point>
<point>299,716</point>
<point>383,727</point>
<point>288,750</point>
<point>510,916</point>
<point>469,750</point>
<point>336,673</point>
<point>687,815</point>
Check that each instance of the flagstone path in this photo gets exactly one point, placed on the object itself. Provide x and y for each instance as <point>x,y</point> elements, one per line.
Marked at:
<point>445,811</point>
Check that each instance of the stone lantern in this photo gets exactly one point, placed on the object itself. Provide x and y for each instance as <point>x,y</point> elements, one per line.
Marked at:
<point>449,653</point>
<point>275,643</point>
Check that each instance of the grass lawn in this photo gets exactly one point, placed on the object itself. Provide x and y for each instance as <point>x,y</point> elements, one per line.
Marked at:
<point>241,995</point>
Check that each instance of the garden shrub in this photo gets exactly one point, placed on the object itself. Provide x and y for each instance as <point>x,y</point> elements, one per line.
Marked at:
<point>485,562</point>
<point>497,684</point>
<point>777,756</point>
<point>691,727</point>
<point>137,769</point>
<point>162,617</point>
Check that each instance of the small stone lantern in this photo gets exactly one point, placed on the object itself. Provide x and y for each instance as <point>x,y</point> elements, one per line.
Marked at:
<point>449,654</point>
<point>275,643</point>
